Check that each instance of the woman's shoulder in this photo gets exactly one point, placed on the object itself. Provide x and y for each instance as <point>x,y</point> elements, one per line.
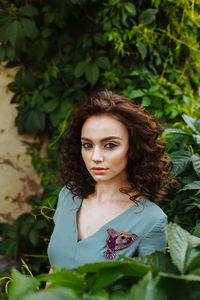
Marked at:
<point>65,196</point>
<point>152,210</point>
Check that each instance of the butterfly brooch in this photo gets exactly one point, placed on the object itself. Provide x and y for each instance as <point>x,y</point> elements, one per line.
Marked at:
<point>117,241</point>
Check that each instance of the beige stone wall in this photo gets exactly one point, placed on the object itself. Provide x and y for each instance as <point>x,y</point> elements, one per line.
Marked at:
<point>18,180</point>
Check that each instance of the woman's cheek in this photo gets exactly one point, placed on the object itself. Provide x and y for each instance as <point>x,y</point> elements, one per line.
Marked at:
<point>119,157</point>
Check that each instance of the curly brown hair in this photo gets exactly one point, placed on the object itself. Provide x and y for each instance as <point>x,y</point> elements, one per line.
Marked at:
<point>147,166</point>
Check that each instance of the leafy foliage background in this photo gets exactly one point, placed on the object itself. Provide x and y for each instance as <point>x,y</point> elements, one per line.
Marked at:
<point>66,50</point>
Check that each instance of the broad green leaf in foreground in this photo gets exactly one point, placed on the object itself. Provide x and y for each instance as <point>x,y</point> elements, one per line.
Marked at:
<point>147,289</point>
<point>52,294</point>
<point>158,260</point>
<point>105,277</point>
<point>133,268</point>
<point>183,247</point>
<point>21,286</point>
<point>64,278</point>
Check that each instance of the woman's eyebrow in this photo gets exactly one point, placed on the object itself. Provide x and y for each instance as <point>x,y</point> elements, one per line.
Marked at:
<point>104,139</point>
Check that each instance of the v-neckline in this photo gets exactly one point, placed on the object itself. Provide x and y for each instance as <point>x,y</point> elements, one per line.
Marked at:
<point>103,226</point>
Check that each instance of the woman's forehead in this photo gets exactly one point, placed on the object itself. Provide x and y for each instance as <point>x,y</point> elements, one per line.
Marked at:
<point>103,126</point>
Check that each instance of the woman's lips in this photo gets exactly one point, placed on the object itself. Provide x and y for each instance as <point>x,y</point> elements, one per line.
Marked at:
<point>99,170</point>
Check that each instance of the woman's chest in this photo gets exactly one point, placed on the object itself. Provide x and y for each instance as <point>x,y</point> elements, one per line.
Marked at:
<point>91,218</point>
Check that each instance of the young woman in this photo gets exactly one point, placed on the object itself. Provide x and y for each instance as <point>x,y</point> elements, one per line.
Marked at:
<point>114,167</point>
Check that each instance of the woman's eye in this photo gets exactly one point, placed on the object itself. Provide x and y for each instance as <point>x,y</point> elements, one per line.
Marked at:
<point>111,145</point>
<point>87,145</point>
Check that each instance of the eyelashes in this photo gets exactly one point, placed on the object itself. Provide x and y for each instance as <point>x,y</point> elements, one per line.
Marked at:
<point>108,145</point>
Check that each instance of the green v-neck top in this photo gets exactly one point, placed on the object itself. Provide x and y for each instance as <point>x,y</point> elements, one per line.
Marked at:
<point>145,219</point>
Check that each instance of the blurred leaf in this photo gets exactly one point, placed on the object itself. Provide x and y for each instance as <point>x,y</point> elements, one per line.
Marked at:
<point>103,62</point>
<point>50,106</point>
<point>197,138</point>
<point>133,268</point>
<point>15,34</point>
<point>28,10</point>
<point>130,7</point>
<point>21,286</point>
<point>105,277</point>
<point>157,259</point>
<point>2,53</point>
<point>60,293</point>
<point>147,289</point>
<point>146,101</point>
<point>147,16</point>
<point>92,73</point>
<point>136,94</point>
<point>34,236</point>
<point>80,69</point>
<point>64,278</point>
<point>29,28</point>
<point>35,120</point>
<point>142,49</point>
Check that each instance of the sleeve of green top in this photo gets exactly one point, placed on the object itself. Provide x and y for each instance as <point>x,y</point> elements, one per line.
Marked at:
<point>155,239</point>
<point>61,196</point>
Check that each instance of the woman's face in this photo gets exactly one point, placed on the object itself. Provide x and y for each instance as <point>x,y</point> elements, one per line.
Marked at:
<point>105,148</point>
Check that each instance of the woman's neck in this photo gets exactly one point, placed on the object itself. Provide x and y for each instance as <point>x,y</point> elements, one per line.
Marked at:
<point>107,191</point>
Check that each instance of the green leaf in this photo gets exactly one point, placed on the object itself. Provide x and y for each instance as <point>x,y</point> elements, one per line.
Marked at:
<point>158,260</point>
<point>191,186</point>
<point>50,106</point>
<point>188,277</point>
<point>146,101</point>
<point>147,289</point>
<point>80,69</point>
<point>180,159</point>
<point>21,286</point>
<point>130,8</point>
<point>147,16</point>
<point>142,47</point>
<point>35,120</point>
<point>2,53</point>
<point>178,131</point>
<point>105,277</point>
<point>136,94</point>
<point>29,28</point>
<point>64,278</point>
<point>15,34</point>
<point>192,123</point>
<point>92,73</point>
<point>34,237</point>
<point>196,229</point>
<point>196,163</point>
<point>197,138</point>
<point>58,293</point>
<point>134,268</point>
<point>181,244</point>
<point>103,62</point>
<point>28,10</point>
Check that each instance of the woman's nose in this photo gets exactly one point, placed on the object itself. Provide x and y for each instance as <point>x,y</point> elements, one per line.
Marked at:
<point>97,154</point>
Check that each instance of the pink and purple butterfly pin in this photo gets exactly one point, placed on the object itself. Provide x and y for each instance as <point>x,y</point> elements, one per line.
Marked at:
<point>117,241</point>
